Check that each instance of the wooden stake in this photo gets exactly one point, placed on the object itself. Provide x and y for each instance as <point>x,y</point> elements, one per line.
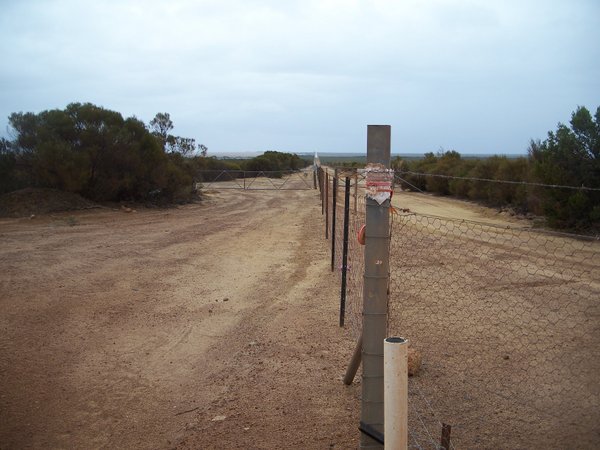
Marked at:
<point>445,442</point>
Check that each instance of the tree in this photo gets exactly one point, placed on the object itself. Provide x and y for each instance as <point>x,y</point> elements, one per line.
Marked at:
<point>181,145</point>
<point>276,162</point>
<point>160,127</point>
<point>570,157</point>
<point>95,152</point>
<point>8,167</point>
<point>446,164</point>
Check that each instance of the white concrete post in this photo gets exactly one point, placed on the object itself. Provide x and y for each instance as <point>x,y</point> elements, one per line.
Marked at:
<point>395,393</point>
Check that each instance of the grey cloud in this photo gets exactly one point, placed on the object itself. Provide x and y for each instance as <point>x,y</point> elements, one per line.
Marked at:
<point>249,75</point>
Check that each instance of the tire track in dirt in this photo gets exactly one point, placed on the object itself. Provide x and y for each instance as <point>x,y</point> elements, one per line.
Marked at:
<point>280,384</point>
<point>133,319</point>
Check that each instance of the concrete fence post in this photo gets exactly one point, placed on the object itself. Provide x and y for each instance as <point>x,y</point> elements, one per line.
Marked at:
<point>375,290</point>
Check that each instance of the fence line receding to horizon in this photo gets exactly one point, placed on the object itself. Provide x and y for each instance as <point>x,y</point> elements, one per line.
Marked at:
<point>256,180</point>
<point>505,318</point>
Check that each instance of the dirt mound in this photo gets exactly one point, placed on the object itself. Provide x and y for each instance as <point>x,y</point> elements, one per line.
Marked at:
<point>25,202</point>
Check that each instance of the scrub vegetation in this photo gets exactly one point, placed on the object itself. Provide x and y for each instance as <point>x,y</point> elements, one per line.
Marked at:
<point>570,156</point>
<point>95,152</point>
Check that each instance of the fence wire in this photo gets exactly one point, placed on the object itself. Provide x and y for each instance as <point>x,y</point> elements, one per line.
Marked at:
<point>355,251</point>
<point>507,323</point>
<point>505,319</point>
<point>356,257</point>
<point>279,180</point>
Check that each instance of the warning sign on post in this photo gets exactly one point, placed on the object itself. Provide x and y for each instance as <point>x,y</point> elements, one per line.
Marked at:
<point>379,182</point>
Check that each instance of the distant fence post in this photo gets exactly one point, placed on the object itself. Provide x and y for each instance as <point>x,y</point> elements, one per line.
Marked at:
<point>333,218</point>
<point>321,190</point>
<point>345,251</point>
<point>375,296</point>
<point>326,204</point>
<point>355,191</point>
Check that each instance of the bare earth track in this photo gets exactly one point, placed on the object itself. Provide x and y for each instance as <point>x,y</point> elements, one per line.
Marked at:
<point>214,326</point>
<point>206,326</point>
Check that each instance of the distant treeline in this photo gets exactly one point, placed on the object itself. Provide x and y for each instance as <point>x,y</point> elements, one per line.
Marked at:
<point>570,156</point>
<point>95,152</point>
<point>272,163</point>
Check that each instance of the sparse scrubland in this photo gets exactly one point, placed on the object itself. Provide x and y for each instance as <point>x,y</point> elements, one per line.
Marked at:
<point>95,152</point>
<point>570,156</point>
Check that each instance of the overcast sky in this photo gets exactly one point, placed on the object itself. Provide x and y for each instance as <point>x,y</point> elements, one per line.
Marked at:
<point>252,75</point>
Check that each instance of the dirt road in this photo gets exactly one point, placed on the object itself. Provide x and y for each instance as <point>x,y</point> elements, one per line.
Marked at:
<point>205,326</point>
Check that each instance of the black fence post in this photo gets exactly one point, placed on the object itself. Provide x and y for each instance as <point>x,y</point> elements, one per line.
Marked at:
<point>333,218</point>
<point>345,251</point>
<point>326,196</point>
<point>445,441</point>
<point>321,188</point>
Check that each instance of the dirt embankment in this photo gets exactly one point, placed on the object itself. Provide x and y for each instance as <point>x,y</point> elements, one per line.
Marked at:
<point>31,201</point>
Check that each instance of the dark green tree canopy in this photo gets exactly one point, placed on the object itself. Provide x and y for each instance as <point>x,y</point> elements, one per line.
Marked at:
<point>161,127</point>
<point>570,156</point>
<point>92,151</point>
<point>275,161</point>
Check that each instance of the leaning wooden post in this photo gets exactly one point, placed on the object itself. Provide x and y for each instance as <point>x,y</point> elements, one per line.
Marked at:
<point>445,441</point>
<point>354,363</point>
<point>395,360</point>
<point>375,297</point>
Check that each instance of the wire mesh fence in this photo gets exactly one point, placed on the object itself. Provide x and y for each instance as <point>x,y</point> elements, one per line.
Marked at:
<point>505,320</point>
<point>507,323</point>
<point>256,180</point>
<point>352,269</point>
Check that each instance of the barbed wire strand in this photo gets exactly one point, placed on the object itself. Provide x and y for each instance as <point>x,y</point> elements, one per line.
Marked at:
<point>414,439</point>
<point>430,407</point>
<point>523,183</point>
<point>415,187</point>
<point>420,417</point>
<point>505,226</point>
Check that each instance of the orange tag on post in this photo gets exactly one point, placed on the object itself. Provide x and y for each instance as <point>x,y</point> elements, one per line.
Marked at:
<point>361,235</point>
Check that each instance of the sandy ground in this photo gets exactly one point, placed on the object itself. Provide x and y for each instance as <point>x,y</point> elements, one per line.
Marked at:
<point>214,326</point>
<point>507,321</point>
<point>454,209</point>
<point>206,326</point>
